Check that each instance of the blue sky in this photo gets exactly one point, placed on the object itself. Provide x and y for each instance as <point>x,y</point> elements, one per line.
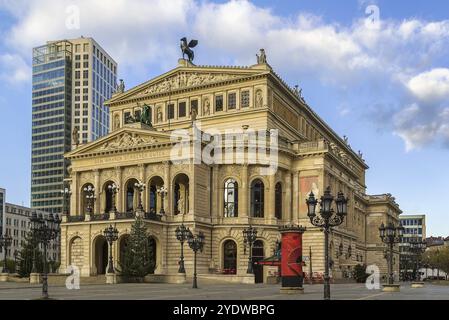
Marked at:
<point>384,83</point>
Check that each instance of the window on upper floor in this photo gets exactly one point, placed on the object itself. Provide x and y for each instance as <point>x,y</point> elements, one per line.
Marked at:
<point>171,111</point>
<point>182,109</point>
<point>232,103</point>
<point>219,103</point>
<point>244,96</point>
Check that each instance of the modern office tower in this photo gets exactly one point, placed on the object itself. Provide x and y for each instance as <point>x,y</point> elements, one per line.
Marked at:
<point>71,80</point>
<point>414,226</point>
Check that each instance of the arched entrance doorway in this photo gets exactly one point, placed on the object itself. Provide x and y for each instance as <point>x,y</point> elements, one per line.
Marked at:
<point>229,257</point>
<point>101,254</point>
<point>258,255</point>
<point>152,253</point>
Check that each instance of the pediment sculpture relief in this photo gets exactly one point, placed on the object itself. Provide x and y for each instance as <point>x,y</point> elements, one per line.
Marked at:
<point>127,140</point>
<point>184,79</point>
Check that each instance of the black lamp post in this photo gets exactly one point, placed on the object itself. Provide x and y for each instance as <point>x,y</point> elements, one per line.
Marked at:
<point>66,193</point>
<point>5,243</point>
<point>90,196</point>
<point>162,191</point>
<point>326,220</point>
<point>140,188</point>
<point>111,235</point>
<point>114,189</point>
<point>417,247</point>
<point>45,230</point>
<point>195,243</point>
<point>181,234</point>
<point>390,235</point>
<point>249,236</point>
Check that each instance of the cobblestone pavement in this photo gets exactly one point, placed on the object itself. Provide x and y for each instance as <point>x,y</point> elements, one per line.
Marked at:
<point>218,292</point>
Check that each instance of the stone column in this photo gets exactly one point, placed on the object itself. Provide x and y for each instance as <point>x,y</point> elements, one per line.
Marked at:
<point>295,201</point>
<point>118,196</point>
<point>215,190</point>
<point>192,180</point>
<point>142,170</point>
<point>287,214</point>
<point>75,197</point>
<point>97,192</point>
<point>243,197</point>
<point>167,184</point>
<point>271,198</point>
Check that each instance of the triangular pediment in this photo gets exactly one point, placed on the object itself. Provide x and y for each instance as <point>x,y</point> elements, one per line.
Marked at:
<point>126,138</point>
<point>184,77</point>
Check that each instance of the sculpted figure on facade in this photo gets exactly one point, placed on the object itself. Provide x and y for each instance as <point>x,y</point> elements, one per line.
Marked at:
<point>259,99</point>
<point>116,122</point>
<point>159,114</point>
<point>206,107</point>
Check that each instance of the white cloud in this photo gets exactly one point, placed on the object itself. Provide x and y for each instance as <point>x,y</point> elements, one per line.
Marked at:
<point>430,86</point>
<point>14,69</point>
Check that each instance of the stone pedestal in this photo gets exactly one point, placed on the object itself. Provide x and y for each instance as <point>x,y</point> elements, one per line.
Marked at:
<point>111,278</point>
<point>417,284</point>
<point>4,277</point>
<point>391,288</point>
<point>35,278</point>
<point>292,290</point>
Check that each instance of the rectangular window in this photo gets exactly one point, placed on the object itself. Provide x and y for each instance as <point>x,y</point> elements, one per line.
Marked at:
<point>182,109</point>
<point>245,99</point>
<point>219,103</point>
<point>194,106</point>
<point>171,111</point>
<point>232,103</point>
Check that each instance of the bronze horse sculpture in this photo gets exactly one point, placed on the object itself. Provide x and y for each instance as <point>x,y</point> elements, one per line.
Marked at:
<point>186,48</point>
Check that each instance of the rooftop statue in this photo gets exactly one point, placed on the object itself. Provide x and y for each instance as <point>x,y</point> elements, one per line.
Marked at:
<point>186,48</point>
<point>262,57</point>
<point>145,117</point>
<point>121,87</point>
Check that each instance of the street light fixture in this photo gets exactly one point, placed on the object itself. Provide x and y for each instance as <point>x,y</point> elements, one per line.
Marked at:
<point>326,220</point>
<point>45,230</point>
<point>249,237</point>
<point>195,243</point>
<point>390,235</point>
<point>5,243</point>
<point>90,196</point>
<point>111,235</point>
<point>114,189</point>
<point>181,234</point>
<point>417,247</point>
<point>66,193</point>
<point>162,191</point>
<point>141,188</point>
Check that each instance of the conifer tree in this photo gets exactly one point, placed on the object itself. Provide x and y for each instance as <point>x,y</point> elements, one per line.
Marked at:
<point>137,261</point>
<point>29,251</point>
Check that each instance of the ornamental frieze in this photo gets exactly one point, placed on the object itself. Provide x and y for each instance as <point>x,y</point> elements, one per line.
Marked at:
<point>127,140</point>
<point>185,80</point>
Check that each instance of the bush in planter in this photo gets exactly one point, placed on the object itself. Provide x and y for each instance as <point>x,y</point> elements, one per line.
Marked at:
<point>138,260</point>
<point>360,274</point>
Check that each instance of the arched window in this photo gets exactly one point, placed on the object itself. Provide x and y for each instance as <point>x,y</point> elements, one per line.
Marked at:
<point>257,199</point>
<point>155,199</point>
<point>278,201</point>
<point>87,203</point>
<point>231,198</point>
<point>229,257</point>
<point>181,194</point>
<point>108,197</point>
<point>131,196</point>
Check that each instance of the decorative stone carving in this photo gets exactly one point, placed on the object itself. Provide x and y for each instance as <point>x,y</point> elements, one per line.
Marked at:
<point>206,107</point>
<point>116,121</point>
<point>159,114</point>
<point>127,140</point>
<point>186,79</point>
<point>259,99</point>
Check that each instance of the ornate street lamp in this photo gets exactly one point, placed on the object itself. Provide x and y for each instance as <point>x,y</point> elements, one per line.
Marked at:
<point>140,188</point>
<point>326,220</point>
<point>45,230</point>
<point>390,235</point>
<point>90,196</point>
<point>66,193</point>
<point>5,243</point>
<point>114,189</point>
<point>417,247</point>
<point>162,191</point>
<point>249,237</point>
<point>181,234</point>
<point>195,243</point>
<point>111,235</point>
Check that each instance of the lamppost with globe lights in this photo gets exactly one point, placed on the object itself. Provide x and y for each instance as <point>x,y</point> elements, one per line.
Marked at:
<point>5,243</point>
<point>66,193</point>
<point>182,233</point>
<point>390,235</point>
<point>140,188</point>
<point>90,196</point>
<point>114,189</point>
<point>111,235</point>
<point>162,191</point>
<point>196,243</point>
<point>45,230</point>
<point>326,220</point>
<point>249,237</point>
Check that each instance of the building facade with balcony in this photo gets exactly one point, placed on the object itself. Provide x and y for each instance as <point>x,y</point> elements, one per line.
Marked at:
<point>158,138</point>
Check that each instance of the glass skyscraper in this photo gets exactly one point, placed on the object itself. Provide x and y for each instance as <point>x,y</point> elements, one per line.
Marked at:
<point>71,80</point>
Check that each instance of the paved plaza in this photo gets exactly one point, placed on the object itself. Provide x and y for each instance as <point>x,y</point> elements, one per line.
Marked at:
<point>211,291</point>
